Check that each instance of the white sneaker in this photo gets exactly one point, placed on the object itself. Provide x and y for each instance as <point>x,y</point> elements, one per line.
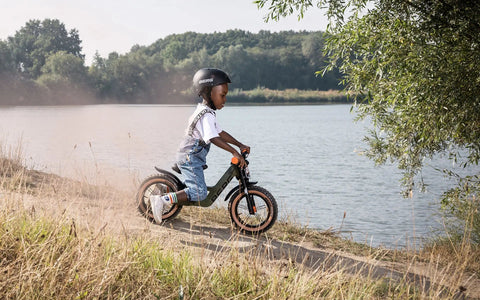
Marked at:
<point>156,203</point>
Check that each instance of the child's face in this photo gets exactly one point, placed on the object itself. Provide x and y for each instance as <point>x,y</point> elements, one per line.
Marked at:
<point>219,95</point>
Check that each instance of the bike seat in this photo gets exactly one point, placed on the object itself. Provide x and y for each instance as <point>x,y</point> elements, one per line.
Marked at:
<point>177,169</point>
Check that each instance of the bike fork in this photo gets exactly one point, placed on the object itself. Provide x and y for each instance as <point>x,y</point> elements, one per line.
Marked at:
<point>252,209</point>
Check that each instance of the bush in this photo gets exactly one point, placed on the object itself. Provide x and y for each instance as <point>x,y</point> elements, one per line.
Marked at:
<point>463,203</point>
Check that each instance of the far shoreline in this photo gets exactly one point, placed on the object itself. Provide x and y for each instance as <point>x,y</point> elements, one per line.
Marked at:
<point>237,97</point>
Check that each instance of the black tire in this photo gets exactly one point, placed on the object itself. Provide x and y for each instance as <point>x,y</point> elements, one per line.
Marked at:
<point>262,220</point>
<point>156,185</point>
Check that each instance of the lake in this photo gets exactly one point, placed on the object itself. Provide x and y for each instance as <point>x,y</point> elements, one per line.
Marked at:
<point>308,157</point>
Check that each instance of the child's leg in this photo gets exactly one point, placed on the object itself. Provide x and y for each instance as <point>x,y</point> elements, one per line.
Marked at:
<point>158,202</point>
<point>179,197</point>
<point>194,180</point>
<point>196,189</point>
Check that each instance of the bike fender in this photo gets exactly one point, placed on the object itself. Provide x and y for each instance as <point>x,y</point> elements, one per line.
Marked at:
<point>172,176</point>
<point>235,189</point>
<point>231,192</point>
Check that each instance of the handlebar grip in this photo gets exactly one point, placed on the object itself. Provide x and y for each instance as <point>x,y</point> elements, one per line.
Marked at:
<point>235,161</point>
<point>245,153</point>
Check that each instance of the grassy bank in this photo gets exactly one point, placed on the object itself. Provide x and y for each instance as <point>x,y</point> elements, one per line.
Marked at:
<point>53,259</point>
<point>289,96</point>
<point>57,254</point>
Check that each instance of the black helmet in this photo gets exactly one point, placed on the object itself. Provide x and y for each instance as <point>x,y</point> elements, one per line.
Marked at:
<point>209,77</point>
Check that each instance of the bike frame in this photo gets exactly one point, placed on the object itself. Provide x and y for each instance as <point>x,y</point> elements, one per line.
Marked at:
<point>215,191</point>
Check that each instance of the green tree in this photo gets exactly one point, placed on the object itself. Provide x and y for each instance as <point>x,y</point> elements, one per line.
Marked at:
<point>174,53</point>
<point>66,79</point>
<point>65,66</point>
<point>37,40</point>
<point>97,72</point>
<point>310,48</point>
<point>6,59</point>
<point>198,59</point>
<point>234,60</point>
<point>7,74</point>
<point>415,65</point>
<point>130,78</point>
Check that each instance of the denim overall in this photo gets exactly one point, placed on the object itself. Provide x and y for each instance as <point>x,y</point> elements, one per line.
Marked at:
<point>191,157</point>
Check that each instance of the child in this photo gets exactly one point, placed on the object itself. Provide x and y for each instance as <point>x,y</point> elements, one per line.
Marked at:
<point>202,130</point>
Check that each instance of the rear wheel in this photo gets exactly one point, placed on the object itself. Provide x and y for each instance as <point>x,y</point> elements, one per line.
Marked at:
<point>264,216</point>
<point>156,185</point>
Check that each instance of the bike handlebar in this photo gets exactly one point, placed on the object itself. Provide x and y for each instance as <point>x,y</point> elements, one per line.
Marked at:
<point>235,160</point>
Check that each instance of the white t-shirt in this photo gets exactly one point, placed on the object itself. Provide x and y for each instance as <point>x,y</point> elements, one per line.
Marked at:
<point>207,127</point>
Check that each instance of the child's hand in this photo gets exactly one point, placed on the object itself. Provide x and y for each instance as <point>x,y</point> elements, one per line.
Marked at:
<point>241,160</point>
<point>244,148</point>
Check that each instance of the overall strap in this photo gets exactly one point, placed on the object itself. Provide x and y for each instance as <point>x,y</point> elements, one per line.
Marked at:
<point>194,122</point>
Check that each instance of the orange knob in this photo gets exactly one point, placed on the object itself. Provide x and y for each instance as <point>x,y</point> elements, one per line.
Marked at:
<point>235,161</point>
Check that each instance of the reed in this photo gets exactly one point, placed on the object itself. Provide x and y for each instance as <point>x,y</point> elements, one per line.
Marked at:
<point>288,96</point>
<point>56,256</point>
<point>455,251</point>
<point>53,259</point>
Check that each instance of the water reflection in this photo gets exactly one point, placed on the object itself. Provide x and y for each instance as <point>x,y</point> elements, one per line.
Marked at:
<point>307,156</point>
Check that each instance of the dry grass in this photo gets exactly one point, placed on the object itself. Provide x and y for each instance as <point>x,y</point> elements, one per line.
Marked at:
<point>52,259</point>
<point>53,256</point>
<point>46,259</point>
<point>454,253</point>
<point>292,96</point>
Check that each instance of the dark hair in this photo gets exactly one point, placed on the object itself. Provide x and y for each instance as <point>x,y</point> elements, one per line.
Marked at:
<point>206,93</point>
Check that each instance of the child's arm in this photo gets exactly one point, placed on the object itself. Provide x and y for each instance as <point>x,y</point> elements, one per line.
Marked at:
<point>231,140</point>
<point>223,142</point>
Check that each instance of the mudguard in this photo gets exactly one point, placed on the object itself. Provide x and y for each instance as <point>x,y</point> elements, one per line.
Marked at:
<point>235,189</point>
<point>172,176</point>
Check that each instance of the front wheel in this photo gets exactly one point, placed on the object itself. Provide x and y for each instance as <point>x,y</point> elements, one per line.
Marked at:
<point>262,219</point>
<point>156,185</point>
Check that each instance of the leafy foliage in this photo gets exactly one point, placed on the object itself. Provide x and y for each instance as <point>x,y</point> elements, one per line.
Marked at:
<point>34,42</point>
<point>6,59</point>
<point>161,72</point>
<point>463,203</point>
<point>415,64</point>
<point>65,77</point>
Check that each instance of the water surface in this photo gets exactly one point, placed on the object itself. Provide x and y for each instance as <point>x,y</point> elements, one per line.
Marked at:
<point>308,157</point>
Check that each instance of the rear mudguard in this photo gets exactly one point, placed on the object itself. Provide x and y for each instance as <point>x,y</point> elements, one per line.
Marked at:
<point>173,177</point>
<point>235,189</point>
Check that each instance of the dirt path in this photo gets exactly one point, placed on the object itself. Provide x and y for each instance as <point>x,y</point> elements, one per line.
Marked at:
<point>117,214</point>
<point>217,239</point>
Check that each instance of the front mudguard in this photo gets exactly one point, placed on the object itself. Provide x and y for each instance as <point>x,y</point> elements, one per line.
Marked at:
<point>237,188</point>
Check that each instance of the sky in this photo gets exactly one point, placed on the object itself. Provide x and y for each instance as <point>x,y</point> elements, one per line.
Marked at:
<point>105,26</point>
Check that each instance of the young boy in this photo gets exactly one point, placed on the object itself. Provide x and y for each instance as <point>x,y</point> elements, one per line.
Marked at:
<point>202,130</point>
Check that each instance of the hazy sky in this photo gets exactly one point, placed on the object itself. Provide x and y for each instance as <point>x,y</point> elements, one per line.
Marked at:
<point>116,25</point>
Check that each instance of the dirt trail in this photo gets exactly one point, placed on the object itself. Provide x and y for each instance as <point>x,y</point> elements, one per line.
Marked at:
<point>118,215</point>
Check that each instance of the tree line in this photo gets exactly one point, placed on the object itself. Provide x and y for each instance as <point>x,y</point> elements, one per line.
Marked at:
<point>43,64</point>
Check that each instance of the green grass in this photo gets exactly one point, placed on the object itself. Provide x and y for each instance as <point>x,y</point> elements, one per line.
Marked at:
<point>53,257</point>
<point>48,258</point>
